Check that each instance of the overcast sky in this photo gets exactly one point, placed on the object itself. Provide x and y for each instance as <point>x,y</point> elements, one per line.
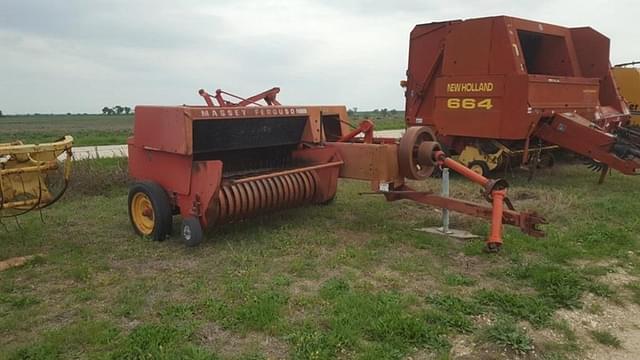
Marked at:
<point>80,55</point>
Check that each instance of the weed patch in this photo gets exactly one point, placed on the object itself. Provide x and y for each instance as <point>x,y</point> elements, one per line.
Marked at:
<point>505,332</point>
<point>554,283</point>
<point>605,338</point>
<point>459,280</point>
<point>375,325</point>
<point>537,311</point>
<point>159,341</point>
<point>259,311</point>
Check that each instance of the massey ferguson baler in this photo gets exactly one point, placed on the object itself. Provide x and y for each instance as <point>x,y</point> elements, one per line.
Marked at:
<point>492,85</point>
<point>228,161</point>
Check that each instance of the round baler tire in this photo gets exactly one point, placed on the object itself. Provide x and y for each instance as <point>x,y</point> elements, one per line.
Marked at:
<point>481,165</point>
<point>546,160</point>
<point>151,192</point>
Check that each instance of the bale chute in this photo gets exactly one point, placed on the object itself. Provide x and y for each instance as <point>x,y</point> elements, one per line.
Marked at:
<point>33,176</point>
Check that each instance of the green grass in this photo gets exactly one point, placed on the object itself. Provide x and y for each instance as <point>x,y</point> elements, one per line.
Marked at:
<point>259,311</point>
<point>560,285</point>
<point>537,311</point>
<point>348,280</point>
<point>159,341</point>
<point>634,287</point>
<point>69,340</point>
<point>87,130</point>
<point>605,338</point>
<point>388,121</point>
<point>18,301</point>
<point>505,332</point>
<point>370,324</point>
<point>459,280</point>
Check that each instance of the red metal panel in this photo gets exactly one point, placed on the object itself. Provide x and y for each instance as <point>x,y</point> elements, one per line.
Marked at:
<point>171,171</point>
<point>425,62</point>
<point>163,128</point>
<point>468,48</point>
<point>192,185</point>
<point>592,50</point>
<point>505,56</point>
<point>517,118</point>
<point>562,92</point>
<point>469,105</point>
<point>205,183</point>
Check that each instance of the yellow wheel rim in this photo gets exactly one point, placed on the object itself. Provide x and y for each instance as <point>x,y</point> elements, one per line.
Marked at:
<point>142,213</point>
<point>477,169</point>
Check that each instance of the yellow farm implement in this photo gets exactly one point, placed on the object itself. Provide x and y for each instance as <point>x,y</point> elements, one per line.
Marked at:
<point>33,176</point>
<point>628,80</point>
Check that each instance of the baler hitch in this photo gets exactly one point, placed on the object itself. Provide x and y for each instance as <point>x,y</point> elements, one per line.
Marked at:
<point>427,155</point>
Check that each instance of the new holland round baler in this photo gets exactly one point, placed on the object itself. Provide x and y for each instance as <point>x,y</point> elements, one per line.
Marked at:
<point>489,84</point>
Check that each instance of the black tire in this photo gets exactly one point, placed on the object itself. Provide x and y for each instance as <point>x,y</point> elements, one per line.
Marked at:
<point>478,164</point>
<point>161,209</point>
<point>492,248</point>
<point>546,160</point>
<point>191,231</point>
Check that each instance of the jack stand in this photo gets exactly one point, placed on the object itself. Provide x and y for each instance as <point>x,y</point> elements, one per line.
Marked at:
<point>444,229</point>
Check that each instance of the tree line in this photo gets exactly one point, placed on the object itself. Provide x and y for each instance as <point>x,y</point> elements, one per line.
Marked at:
<point>384,112</point>
<point>116,110</point>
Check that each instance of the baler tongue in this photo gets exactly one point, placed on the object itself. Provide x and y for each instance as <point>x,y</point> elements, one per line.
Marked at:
<point>618,149</point>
